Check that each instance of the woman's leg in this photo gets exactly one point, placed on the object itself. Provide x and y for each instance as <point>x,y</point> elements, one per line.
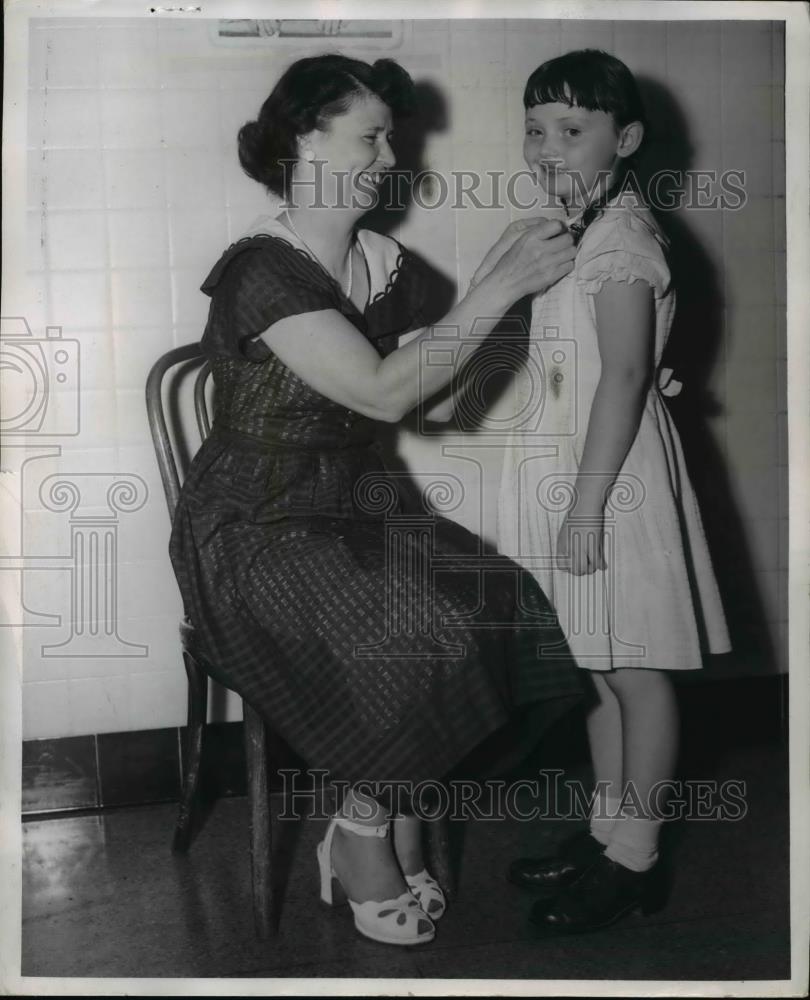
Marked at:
<point>408,844</point>
<point>605,739</point>
<point>366,866</point>
<point>650,747</point>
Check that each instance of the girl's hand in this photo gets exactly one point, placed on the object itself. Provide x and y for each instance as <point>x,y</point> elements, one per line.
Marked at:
<point>531,256</point>
<point>581,545</point>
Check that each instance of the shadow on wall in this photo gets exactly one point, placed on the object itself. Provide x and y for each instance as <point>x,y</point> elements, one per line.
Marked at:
<point>692,351</point>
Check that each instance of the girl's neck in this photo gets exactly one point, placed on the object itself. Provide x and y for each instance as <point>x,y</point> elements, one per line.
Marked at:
<point>582,200</point>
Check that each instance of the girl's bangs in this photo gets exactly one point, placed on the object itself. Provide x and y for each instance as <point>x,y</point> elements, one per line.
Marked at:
<point>550,90</point>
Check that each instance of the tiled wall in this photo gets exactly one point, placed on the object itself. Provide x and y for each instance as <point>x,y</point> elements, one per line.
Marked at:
<point>134,189</point>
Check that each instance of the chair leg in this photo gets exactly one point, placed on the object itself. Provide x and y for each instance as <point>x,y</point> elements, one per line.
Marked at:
<point>439,853</point>
<point>260,828</point>
<point>197,712</point>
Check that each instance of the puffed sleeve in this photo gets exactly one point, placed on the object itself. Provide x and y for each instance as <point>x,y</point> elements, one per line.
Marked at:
<point>254,285</point>
<point>622,248</point>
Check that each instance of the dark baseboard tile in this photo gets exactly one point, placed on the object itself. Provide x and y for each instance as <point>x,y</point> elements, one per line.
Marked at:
<point>108,770</point>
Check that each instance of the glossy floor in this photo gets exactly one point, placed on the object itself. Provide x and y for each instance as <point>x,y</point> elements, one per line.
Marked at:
<point>104,896</point>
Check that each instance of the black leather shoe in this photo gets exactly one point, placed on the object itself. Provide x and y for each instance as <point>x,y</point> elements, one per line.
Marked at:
<point>603,894</point>
<point>573,857</point>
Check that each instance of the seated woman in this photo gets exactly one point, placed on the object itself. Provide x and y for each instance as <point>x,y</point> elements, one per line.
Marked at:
<point>279,542</point>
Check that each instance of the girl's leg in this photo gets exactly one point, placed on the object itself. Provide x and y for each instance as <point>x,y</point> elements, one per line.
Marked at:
<point>650,748</point>
<point>604,725</point>
<point>366,866</point>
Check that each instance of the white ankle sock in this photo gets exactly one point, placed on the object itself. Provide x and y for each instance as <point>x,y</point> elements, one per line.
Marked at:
<point>634,842</point>
<point>603,817</point>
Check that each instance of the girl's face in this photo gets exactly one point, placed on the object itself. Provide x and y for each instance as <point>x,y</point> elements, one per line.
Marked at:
<point>356,148</point>
<point>571,150</point>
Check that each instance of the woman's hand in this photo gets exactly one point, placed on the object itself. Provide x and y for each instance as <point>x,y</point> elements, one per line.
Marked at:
<point>538,253</point>
<point>580,544</point>
<point>497,250</point>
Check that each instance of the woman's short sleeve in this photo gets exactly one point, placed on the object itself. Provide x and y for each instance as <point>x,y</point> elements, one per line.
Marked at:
<point>622,249</point>
<point>254,286</point>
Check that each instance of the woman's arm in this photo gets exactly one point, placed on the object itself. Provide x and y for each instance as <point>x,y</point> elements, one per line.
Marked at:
<point>625,323</point>
<point>328,353</point>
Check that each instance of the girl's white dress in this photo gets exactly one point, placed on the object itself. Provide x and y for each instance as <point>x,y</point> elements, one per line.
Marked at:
<point>656,604</point>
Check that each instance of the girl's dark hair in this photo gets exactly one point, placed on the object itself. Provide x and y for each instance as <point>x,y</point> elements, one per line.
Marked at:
<point>587,78</point>
<point>308,95</point>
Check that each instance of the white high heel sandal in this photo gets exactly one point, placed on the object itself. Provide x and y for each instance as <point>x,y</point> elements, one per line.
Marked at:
<point>428,893</point>
<point>399,921</point>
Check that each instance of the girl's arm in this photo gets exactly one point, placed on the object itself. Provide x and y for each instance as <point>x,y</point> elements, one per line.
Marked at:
<point>625,323</point>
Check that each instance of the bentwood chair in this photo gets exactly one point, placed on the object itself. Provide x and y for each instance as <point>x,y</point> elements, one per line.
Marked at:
<point>199,668</point>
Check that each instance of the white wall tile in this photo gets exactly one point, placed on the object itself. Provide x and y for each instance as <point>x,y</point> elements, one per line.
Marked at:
<point>73,178</point>
<point>752,226</point>
<point>44,711</point>
<point>99,705</point>
<point>478,115</point>
<point>755,160</point>
<point>76,240</point>
<point>64,57</point>
<point>79,299</point>
<point>98,408</point>
<point>195,177</point>
<point>35,240</point>
<point>132,428</point>
<point>197,236</point>
<point>138,238</point>
<point>642,46</point>
<point>141,297</point>
<point>747,114</point>
<point>35,666</point>
<point>746,54</point>
<point>134,178</point>
<point>130,119</point>
<point>70,119</point>
<point>241,190</point>
<point>96,358</point>
<point>583,34</point>
<point>750,277</point>
<point>128,55</point>
<point>136,350</point>
<point>188,120</point>
<point>190,305</point>
<point>159,699</point>
<point>184,55</point>
<point>236,107</point>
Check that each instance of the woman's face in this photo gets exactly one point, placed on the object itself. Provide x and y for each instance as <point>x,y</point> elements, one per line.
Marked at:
<point>356,150</point>
<point>570,149</point>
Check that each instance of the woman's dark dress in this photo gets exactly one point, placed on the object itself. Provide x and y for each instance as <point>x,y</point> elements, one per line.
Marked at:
<point>289,561</point>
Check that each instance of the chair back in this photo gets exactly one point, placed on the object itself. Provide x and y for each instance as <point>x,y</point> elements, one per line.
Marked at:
<point>192,355</point>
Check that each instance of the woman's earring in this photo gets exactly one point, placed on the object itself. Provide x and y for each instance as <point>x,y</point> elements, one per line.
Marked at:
<point>308,155</point>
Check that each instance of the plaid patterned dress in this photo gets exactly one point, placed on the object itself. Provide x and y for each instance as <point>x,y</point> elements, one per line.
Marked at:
<point>374,636</point>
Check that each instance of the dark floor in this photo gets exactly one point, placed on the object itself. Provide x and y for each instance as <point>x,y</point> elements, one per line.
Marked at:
<point>104,896</point>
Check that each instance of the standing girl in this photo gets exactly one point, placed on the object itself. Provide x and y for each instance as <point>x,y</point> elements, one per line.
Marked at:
<point>595,499</point>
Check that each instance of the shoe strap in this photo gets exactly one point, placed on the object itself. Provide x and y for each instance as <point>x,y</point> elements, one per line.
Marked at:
<point>360,829</point>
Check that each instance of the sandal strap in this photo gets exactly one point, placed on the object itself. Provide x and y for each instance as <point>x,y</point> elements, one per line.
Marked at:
<point>421,878</point>
<point>360,829</point>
